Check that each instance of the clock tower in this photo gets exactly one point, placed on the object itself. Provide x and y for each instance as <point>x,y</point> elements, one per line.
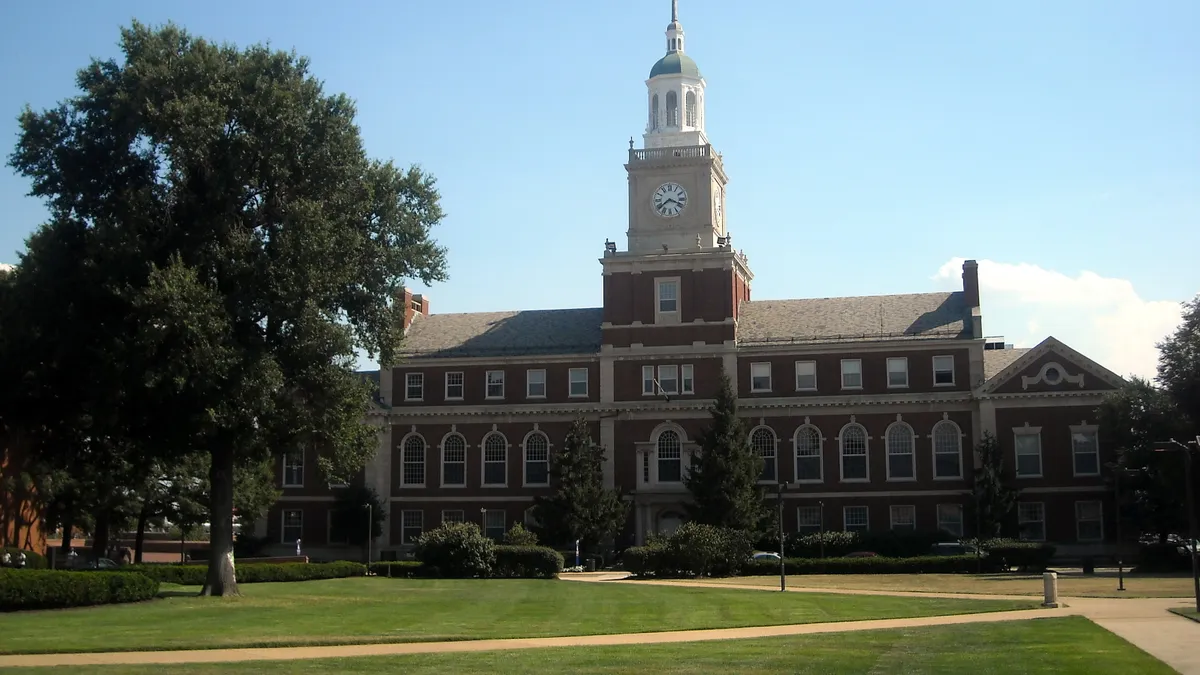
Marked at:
<point>676,181</point>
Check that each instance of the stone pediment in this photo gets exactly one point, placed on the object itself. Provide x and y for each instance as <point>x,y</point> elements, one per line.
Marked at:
<point>1051,368</point>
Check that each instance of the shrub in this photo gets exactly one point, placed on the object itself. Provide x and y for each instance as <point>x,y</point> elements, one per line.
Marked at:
<point>873,565</point>
<point>1027,556</point>
<point>641,561</point>
<point>519,536</point>
<point>1164,557</point>
<point>52,589</point>
<point>457,551</point>
<point>527,562</point>
<point>400,569</point>
<point>837,543</point>
<point>196,575</point>
<point>693,550</point>
<point>33,561</point>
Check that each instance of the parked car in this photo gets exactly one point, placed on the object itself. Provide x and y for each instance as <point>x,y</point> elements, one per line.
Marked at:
<point>764,556</point>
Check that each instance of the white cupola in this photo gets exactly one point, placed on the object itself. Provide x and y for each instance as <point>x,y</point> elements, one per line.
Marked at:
<point>675,95</point>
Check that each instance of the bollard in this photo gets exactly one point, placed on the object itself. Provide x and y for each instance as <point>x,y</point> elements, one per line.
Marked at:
<point>1050,589</point>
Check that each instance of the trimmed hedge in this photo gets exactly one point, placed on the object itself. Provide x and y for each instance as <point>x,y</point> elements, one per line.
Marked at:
<point>401,569</point>
<point>527,562</point>
<point>933,564</point>
<point>196,575</point>
<point>693,550</point>
<point>457,551</point>
<point>54,589</point>
<point>33,561</point>
<point>1027,556</point>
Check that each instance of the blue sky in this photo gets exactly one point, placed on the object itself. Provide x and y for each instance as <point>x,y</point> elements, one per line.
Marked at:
<point>870,146</point>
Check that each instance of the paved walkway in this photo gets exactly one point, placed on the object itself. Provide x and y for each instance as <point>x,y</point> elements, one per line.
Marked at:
<point>1144,622</point>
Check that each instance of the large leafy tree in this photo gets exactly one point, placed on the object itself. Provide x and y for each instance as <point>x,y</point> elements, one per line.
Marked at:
<point>355,509</point>
<point>724,475</point>
<point>993,499</point>
<point>579,506</point>
<point>241,246</point>
<point>1179,365</point>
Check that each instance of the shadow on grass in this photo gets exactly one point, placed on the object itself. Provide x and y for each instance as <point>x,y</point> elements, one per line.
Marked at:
<point>177,594</point>
<point>1186,612</point>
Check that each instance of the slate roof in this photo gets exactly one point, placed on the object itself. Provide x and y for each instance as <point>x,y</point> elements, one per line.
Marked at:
<point>996,360</point>
<point>537,331</point>
<point>859,318</point>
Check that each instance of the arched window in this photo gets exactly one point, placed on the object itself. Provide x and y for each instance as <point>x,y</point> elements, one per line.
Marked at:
<point>672,109</point>
<point>901,461</point>
<point>670,457</point>
<point>654,113</point>
<point>537,459</point>
<point>947,450</point>
<point>690,103</point>
<point>809,467</point>
<point>763,442</point>
<point>495,459</point>
<point>412,460</point>
<point>853,442</point>
<point>454,460</point>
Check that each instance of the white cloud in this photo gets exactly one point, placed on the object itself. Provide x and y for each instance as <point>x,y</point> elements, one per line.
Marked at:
<point>1102,317</point>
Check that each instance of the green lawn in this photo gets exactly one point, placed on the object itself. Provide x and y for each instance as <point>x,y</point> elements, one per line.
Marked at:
<point>363,610</point>
<point>1059,646</point>
<point>1188,612</point>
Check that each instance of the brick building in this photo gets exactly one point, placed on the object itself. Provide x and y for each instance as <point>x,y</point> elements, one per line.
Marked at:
<point>870,406</point>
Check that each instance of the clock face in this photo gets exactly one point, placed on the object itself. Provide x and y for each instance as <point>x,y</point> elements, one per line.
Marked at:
<point>669,200</point>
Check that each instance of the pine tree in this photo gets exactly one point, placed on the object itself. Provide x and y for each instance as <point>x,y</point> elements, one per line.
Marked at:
<point>994,499</point>
<point>580,507</point>
<point>724,475</point>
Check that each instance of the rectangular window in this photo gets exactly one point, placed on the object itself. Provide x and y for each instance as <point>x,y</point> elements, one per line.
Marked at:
<point>943,370</point>
<point>293,470</point>
<point>760,377</point>
<point>851,374</point>
<point>670,463</point>
<point>414,386</point>
<point>1089,521</point>
<point>668,296</point>
<point>854,518</point>
<point>648,387</point>
<point>578,382</point>
<point>897,369</point>
<point>454,386</point>
<point>293,525</point>
<point>686,380</point>
<point>1085,447</point>
<point>950,518</point>
<point>1031,519</point>
<point>493,524</point>
<point>334,532</point>
<point>808,519</point>
<point>454,516</point>
<point>1028,442</point>
<point>904,518</point>
<point>495,460</point>
<point>535,384</point>
<point>412,523</point>
<point>806,376</point>
<point>645,467</point>
<point>495,384</point>
<point>668,379</point>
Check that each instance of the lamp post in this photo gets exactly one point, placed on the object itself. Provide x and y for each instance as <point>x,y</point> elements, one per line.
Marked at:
<point>782,571</point>
<point>1119,469</point>
<point>821,535</point>
<point>1173,444</point>
<point>370,534</point>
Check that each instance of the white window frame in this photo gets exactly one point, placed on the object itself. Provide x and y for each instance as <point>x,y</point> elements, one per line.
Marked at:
<point>933,448</point>
<point>287,461</point>
<point>900,510</point>
<point>461,518</point>
<point>573,379</point>
<point>530,381</point>
<point>842,454</point>
<point>809,528</point>
<point>844,362</point>
<point>912,452</point>
<point>525,461</point>
<point>1022,520</point>
<point>462,385</point>
<point>1099,519</point>
<point>484,461</point>
<point>942,522</point>
<point>687,379</point>
<point>411,381</point>
<point>283,526</point>
<point>657,474</point>
<point>649,376</point>
<point>405,461</point>
<point>820,456</point>
<point>1094,432</point>
<point>953,378</point>
<point>760,365</point>
<point>503,523</point>
<point>672,316</point>
<point>903,362</point>
<point>405,527</point>
<point>487,384</point>
<point>774,458</point>
<point>673,371</point>
<point>462,462</point>
<point>806,364</point>
<point>866,525</point>
<point>329,530</point>
<point>1035,432</point>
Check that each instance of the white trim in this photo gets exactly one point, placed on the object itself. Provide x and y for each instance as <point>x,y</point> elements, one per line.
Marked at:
<point>424,460</point>
<point>1021,521</point>
<point>670,317</point>
<point>1043,376</point>
<point>404,527</point>
<point>1099,505</point>
<point>770,381</point>
<point>462,385</point>
<point>842,454</point>
<point>912,509</point>
<point>796,382</point>
<point>529,383</point>
<point>1094,430</point>
<point>866,527</point>
<point>933,453</point>
<point>487,385</point>
<point>820,454</point>
<point>586,382</point>
<point>1050,344</point>
<point>442,472</point>
<point>525,458</point>
<point>283,526</point>
<point>284,477</point>
<point>667,367</point>
<point>953,367</point>
<point>887,452</point>
<point>408,385</point>
<point>1028,431</point>
<point>687,379</point>
<point>842,367</point>
<point>897,359</point>
<point>774,452</point>
<point>483,460</point>
<point>820,517</point>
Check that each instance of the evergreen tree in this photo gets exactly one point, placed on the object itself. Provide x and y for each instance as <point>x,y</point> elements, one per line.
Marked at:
<point>580,507</point>
<point>993,498</point>
<point>724,475</point>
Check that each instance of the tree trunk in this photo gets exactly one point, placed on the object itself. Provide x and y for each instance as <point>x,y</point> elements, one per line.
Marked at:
<point>68,534</point>
<point>143,516</point>
<point>100,535</point>
<point>221,580</point>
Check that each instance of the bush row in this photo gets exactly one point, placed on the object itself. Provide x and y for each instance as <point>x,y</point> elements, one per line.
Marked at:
<point>510,562</point>
<point>52,589</point>
<point>460,551</point>
<point>693,550</point>
<point>838,543</point>
<point>932,564</point>
<point>195,575</point>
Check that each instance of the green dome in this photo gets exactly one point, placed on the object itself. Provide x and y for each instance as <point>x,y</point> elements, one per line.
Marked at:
<point>675,63</point>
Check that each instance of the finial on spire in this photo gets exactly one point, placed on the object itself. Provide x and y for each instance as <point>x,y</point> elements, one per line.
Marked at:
<point>674,11</point>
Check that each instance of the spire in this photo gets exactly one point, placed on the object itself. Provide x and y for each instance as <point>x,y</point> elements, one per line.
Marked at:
<point>674,11</point>
<point>674,30</point>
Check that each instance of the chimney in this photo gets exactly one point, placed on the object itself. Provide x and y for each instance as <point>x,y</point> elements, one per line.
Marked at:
<point>414,304</point>
<point>970,278</point>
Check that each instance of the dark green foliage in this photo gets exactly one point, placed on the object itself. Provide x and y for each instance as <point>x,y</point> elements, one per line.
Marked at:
<point>53,589</point>
<point>33,561</point>
<point>993,499</point>
<point>350,517</point>
<point>579,506</point>
<point>517,535</point>
<point>527,562</point>
<point>1027,556</point>
<point>641,561</point>
<point>1179,365</point>
<point>723,479</point>
<point>457,551</point>
<point>195,575</point>
<point>946,564</point>
<point>693,550</point>
<point>1160,557</point>
<point>401,569</point>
